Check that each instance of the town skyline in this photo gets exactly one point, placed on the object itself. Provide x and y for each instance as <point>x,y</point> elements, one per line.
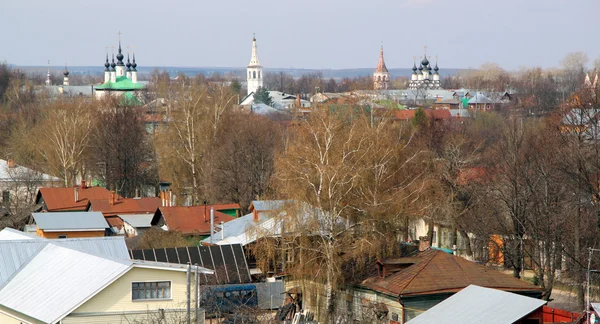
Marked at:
<point>313,36</point>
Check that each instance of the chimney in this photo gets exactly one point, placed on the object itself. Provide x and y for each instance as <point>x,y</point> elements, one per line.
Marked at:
<point>205,220</point>
<point>423,243</point>
<point>76,194</point>
<point>170,197</point>
<point>111,198</point>
<point>83,184</point>
<point>162,198</point>
<point>255,215</point>
<point>298,101</point>
<point>212,224</point>
<point>11,163</point>
<point>222,230</point>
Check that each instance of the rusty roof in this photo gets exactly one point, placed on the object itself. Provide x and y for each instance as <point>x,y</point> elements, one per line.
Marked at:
<point>147,205</point>
<point>189,220</point>
<point>436,271</point>
<point>63,199</point>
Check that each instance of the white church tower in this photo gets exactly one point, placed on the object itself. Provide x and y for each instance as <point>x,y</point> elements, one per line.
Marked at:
<point>254,70</point>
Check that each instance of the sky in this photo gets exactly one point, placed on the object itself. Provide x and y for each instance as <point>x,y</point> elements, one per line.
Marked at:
<point>323,34</point>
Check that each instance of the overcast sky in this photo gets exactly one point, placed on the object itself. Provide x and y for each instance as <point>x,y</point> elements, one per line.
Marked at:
<point>300,34</point>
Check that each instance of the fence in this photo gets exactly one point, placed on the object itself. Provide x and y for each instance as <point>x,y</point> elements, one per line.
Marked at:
<point>555,315</point>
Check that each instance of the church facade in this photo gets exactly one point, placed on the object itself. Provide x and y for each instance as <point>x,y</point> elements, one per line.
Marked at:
<point>120,78</point>
<point>425,77</point>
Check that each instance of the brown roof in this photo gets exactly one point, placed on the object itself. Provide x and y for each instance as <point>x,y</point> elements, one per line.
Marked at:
<point>436,271</point>
<point>189,220</point>
<point>147,205</point>
<point>63,199</point>
<point>225,206</point>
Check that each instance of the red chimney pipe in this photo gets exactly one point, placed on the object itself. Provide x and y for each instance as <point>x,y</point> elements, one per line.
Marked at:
<point>83,184</point>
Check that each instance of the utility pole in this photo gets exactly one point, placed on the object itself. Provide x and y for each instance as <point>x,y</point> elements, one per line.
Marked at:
<point>197,293</point>
<point>189,276</point>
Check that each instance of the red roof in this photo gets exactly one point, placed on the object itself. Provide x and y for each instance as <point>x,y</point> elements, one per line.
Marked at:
<point>189,220</point>
<point>431,113</point>
<point>436,271</point>
<point>475,174</point>
<point>126,206</point>
<point>63,199</point>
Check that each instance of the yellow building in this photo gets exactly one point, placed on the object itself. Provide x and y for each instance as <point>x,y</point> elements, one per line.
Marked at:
<point>49,282</point>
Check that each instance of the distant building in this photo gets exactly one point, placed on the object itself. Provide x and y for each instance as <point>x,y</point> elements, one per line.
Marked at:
<point>381,77</point>
<point>254,70</point>
<point>121,79</point>
<point>423,77</point>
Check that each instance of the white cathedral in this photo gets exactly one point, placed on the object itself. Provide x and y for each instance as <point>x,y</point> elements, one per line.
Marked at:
<point>254,70</point>
<point>423,78</point>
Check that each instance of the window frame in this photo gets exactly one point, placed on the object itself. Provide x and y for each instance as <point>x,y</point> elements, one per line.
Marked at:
<point>170,282</point>
<point>62,236</point>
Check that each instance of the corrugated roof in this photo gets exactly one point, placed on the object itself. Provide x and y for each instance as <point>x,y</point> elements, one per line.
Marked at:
<point>70,221</point>
<point>189,220</point>
<point>63,199</point>
<point>424,277</point>
<point>147,205</point>
<point>264,205</point>
<point>474,305</point>
<point>46,280</point>
<point>57,280</point>
<point>107,246</point>
<point>138,220</point>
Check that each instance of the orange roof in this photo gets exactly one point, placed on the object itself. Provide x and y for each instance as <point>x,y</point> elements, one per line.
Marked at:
<point>410,113</point>
<point>190,220</point>
<point>225,206</point>
<point>63,199</point>
<point>475,174</point>
<point>126,206</point>
<point>436,271</point>
<point>114,221</point>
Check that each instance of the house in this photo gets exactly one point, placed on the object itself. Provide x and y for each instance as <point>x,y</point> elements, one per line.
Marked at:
<point>136,224</point>
<point>19,184</point>
<point>281,100</point>
<point>70,224</point>
<point>189,220</point>
<point>116,205</point>
<point>475,304</point>
<point>70,198</point>
<point>482,102</point>
<point>51,282</point>
<point>412,284</point>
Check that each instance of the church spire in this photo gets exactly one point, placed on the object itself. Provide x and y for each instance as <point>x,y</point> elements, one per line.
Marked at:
<point>48,80</point>
<point>119,53</point>
<point>381,64</point>
<point>254,60</point>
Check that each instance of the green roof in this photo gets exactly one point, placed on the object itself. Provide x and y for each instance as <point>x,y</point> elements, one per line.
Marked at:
<point>129,99</point>
<point>122,84</point>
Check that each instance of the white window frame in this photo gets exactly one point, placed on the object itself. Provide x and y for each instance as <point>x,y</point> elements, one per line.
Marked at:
<point>152,299</point>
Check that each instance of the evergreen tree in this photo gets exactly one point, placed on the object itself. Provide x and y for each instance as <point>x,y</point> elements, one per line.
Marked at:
<point>420,118</point>
<point>262,96</point>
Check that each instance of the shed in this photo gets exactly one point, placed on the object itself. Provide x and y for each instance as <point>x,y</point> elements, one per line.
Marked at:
<point>474,305</point>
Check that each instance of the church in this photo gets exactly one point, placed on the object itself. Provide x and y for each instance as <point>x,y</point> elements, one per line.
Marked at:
<point>381,77</point>
<point>120,79</point>
<point>423,77</point>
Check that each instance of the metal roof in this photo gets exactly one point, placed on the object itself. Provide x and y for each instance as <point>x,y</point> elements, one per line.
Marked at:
<point>47,280</point>
<point>475,304</point>
<point>12,234</point>
<point>70,221</point>
<point>20,173</point>
<point>57,280</point>
<point>138,220</point>
<point>107,246</point>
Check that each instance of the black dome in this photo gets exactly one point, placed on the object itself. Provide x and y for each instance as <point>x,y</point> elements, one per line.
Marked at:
<point>425,62</point>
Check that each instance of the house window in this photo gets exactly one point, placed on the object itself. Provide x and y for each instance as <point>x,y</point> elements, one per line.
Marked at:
<point>151,290</point>
<point>434,239</point>
<point>62,236</point>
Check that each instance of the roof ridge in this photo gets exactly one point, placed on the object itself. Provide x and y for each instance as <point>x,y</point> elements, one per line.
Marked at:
<point>425,263</point>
